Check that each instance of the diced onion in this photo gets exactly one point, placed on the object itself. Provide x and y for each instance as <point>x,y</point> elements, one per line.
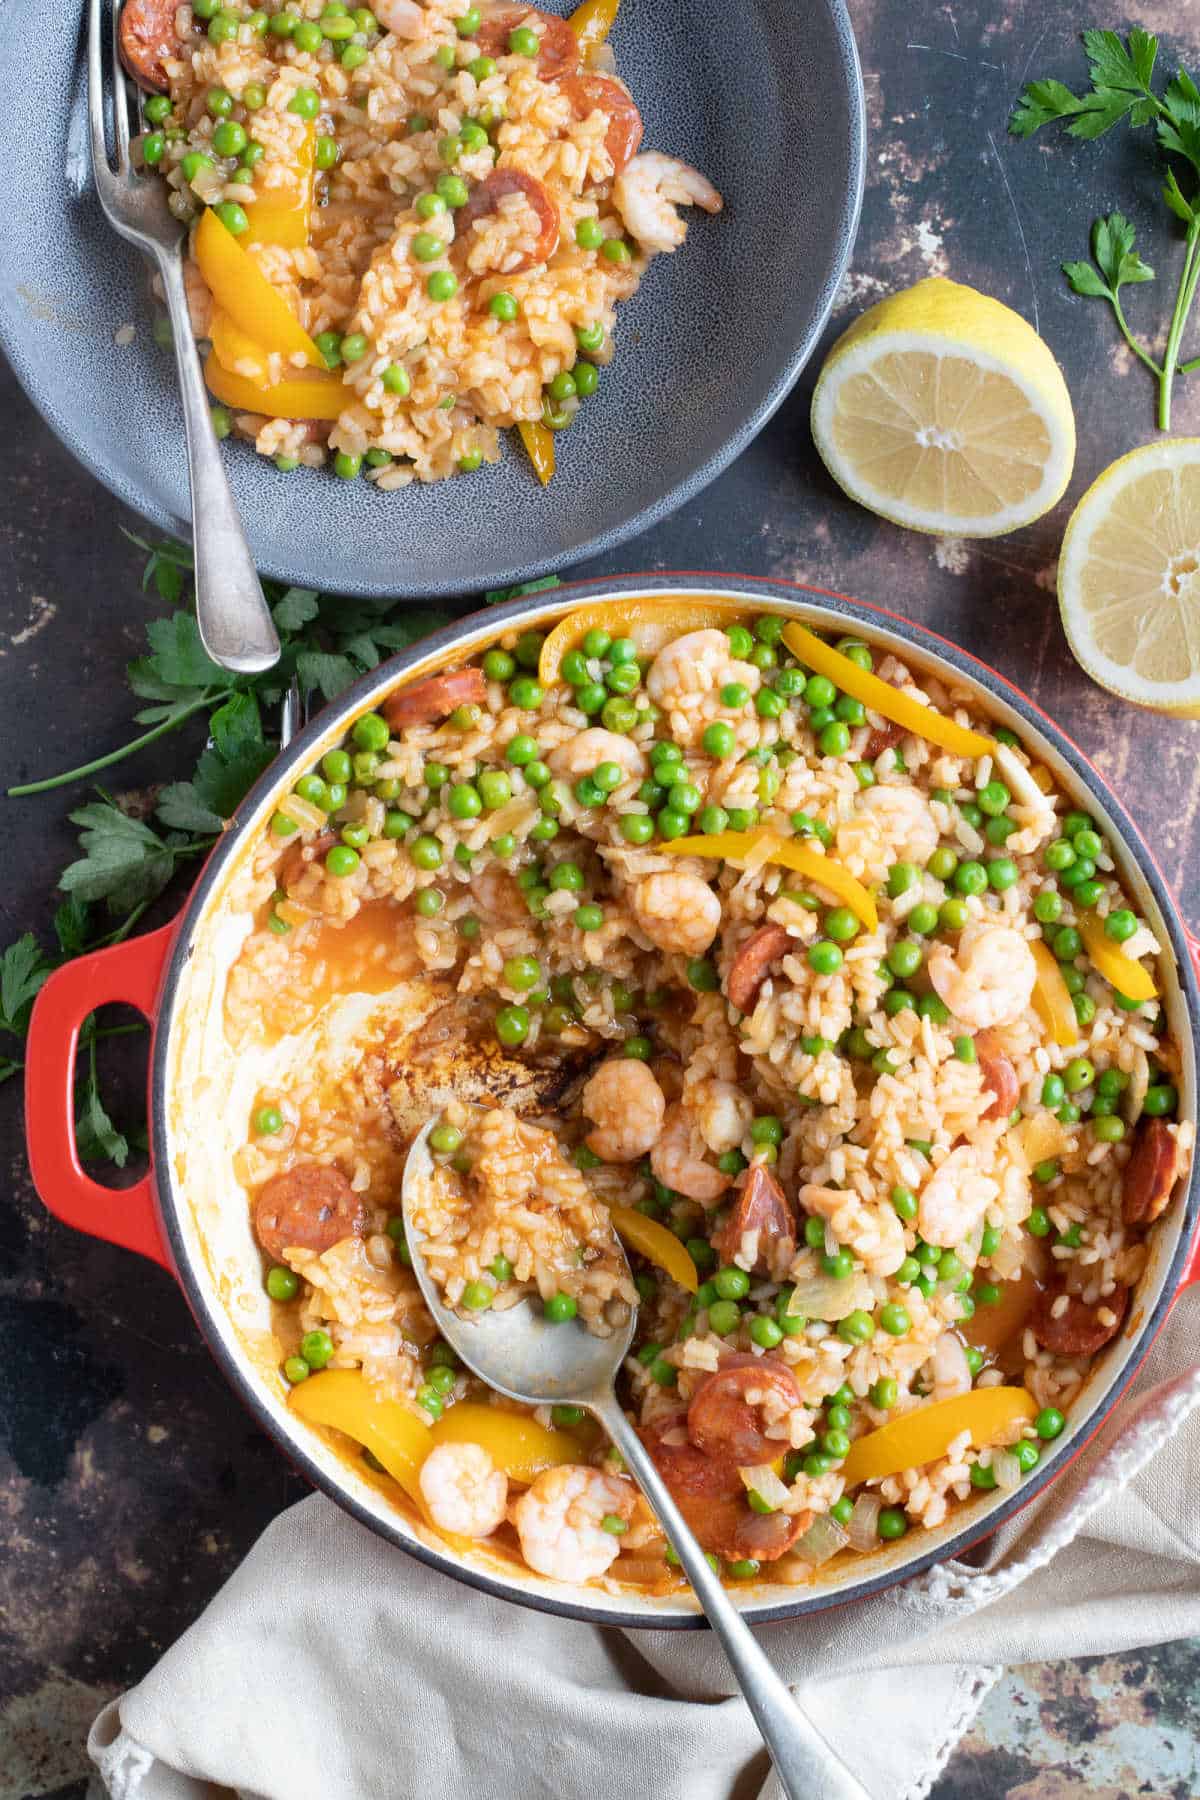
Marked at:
<point>863,1526</point>
<point>1006,1469</point>
<point>762,1480</point>
<point>951,1371</point>
<point>824,1297</point>
<point>1021,783</point>
<point>823,1539</point>
<point>831,1243</point>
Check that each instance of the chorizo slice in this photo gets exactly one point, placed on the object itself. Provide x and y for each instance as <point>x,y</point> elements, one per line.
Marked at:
<point>430,701</point>
<point>599,93</point>
<point>559,53</point>
<point>883,737</point>
<point>146,36</point>
<point>712,1499</point>
<point>294,862</point>
<point>724,1421</point>
<point>762,1206</point>
<point>1078,1330</point>
<point>999,1076</point>
<point>486,197</point>
<point>748,970</point>
<point>310,1207</point>
<point>1150,1172</point>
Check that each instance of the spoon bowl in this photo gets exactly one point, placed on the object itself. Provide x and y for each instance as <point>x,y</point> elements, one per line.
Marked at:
<point>525,1356</point>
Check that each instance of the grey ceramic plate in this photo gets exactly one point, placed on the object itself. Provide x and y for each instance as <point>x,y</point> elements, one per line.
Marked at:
<point>706,350</point>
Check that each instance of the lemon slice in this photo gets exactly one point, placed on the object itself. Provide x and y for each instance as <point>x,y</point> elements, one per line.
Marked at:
<point>1129,577</point>
<point>942,410</point>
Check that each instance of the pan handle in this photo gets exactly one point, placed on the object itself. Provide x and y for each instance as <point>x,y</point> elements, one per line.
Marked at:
<point>128,972</point>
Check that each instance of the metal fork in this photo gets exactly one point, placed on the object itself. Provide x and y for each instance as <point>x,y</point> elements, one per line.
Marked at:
<point>235,623</point>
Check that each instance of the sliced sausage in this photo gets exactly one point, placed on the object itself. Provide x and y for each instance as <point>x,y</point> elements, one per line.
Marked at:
<point>486,197</point>
<point>1150,1172</point>
<point>1077,1330</point>
<point>146,36</point>
<point>999,1076</point>
<point>599,93</point>
<point>722,1419</point>
<point>310,1207</point>
<point>434,699</point>
<point>559,53</point>
<point>761,1205</point>
<point>294,862</point>
<point>712,1499</point>
<point>748,970</point>
<point>883,737</point>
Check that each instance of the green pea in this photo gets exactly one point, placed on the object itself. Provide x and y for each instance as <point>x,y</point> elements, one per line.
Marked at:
<point>1120,925</point>
<point>971,878</point>
<point>724,1316</point>
<point>923,919</point>
<point>477,1296</point>
<point>953,914</point>
<point>396,380</point>
<point>824,957</point>
<point>891,1523</point>
<point>560,1308</point>
<point>525,693</point>
<point>901,877</point>
<point>905,958</point>
<point>884,1393</point>
<point>296,1370</point>
<point>512,1025</point>
<point>857,1327</point>
<point>442,285</point>
<point>316,1347</point>
<point>1161,1099</point>
<point>589,917</point>
<point>731,1283</point>
<point>523,41</point>
<point>834,739</point>
<point>1078,1075</point>
<point>347,465</point>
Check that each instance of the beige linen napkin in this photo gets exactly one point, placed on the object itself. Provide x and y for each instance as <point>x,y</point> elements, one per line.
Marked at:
<point>334,1668</point>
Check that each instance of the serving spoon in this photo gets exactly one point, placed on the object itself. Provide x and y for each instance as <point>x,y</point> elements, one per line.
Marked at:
<point>523,1355</point>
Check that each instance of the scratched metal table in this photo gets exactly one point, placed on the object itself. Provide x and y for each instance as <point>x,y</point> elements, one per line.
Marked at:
<point>131,1482</point>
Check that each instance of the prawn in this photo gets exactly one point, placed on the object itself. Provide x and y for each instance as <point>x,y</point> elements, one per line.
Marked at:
<point>677,1159</point>
<point>697,663</point>
<point>560,1521</point>
<point>722,1112</point>
<point>988,979</point>
<point>627,1107</point>
<point>647,192</point>
<point>464,1490</point>
<point>954,1199</point>
<point>677,911</point>
<point>583,754</point>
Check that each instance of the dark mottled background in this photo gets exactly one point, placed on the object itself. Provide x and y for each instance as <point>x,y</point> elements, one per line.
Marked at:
<point>132,1481</point>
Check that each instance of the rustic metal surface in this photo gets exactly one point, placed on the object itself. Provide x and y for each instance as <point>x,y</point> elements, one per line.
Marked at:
<point>131,1482</point>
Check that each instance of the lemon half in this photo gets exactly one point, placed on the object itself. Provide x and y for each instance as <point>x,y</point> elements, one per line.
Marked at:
<point>943,410</point>
<point>1129,577</point>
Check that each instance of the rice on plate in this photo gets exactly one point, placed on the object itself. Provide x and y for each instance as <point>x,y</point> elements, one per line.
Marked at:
<point>413,224</point>
<point>825,1001</point>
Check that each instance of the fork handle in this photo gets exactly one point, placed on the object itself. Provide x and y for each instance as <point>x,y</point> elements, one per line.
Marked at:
<point>235,623</point>
<point>807,1766</point>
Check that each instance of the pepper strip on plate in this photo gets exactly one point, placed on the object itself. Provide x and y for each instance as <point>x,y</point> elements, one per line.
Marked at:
<point>539,445</point>
<point>304,394</point>
<point>926,1433</point>
<point>592,22</point>
<point>240,289</point>
<point>736,846</point>
<point>1051,997</point>
<point>656,1244</point>
<point>344,1400</point>
<point>1127,976</point>
<point>881,697</point>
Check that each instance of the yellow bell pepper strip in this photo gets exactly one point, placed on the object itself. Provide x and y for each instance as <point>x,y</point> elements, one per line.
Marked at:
<point>235,351</point>
<point>1126,975</point>
<point>304,394</point>
<point>651,623</point>
<point>735,846</point>
<point>240,288</point>
<point>656,1244</point>
<point>516,1443</point>
<point>923,1435</point>
<point>345,1400</point>
<point>1051,1000</point>
<point>922,721</point>
<point>592,22</point>
<point>281,214</point>
<point>539,445</point>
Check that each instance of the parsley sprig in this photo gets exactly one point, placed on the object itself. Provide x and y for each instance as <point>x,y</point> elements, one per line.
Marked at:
<point>1122,73</point>
<point>130,852</point>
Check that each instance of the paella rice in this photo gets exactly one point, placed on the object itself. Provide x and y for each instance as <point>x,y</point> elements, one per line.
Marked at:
<point>858,1046</point>
<point>412,224</point>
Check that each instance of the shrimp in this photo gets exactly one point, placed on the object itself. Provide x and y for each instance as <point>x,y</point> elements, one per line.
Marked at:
<point>695,664</point>
<point>464,1490</point>
<point>954,1199</point>
<point>627,1106</point>
<point>583,754</point>
<point>559,1520</point>
<point>678,1160</point>
<point>988,979</point>
<point>649,189</point>
<point>722,1113</point>
<point>677,911</point>
<point>904,814</point>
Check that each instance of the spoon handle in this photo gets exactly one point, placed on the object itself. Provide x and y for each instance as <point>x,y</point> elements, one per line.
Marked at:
<point>806,1765</point>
